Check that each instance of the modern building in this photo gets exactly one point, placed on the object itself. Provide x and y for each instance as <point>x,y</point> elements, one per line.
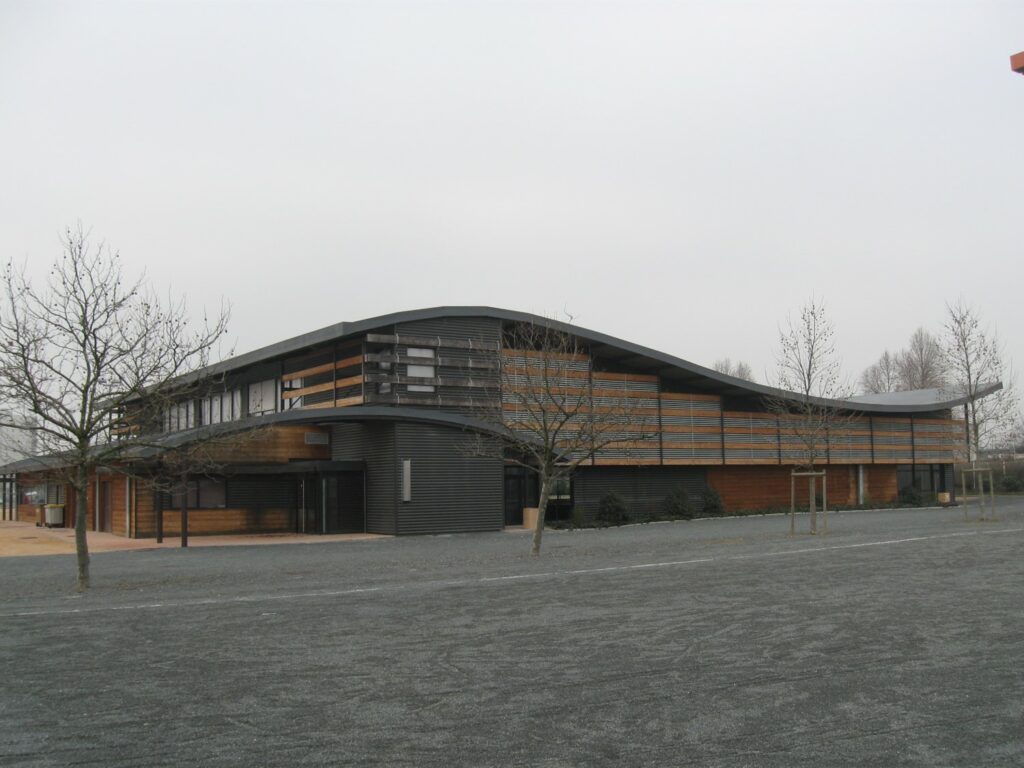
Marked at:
<point>365,426</point>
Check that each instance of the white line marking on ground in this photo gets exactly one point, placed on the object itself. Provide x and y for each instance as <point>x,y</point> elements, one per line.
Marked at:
<point>486,579</point>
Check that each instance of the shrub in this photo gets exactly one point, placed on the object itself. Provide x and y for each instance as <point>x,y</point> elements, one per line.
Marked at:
<point>578,518</point>
<point>911,496</point>
<point>611,510</point>
<point>677,505</point>
<point>1011,483</point>
<point>712,503</point>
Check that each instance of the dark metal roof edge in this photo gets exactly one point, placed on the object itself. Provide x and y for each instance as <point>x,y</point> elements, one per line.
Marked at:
<point>342,329</point>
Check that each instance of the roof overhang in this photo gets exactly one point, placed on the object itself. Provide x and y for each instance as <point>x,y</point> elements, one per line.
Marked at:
<point>315,417</point>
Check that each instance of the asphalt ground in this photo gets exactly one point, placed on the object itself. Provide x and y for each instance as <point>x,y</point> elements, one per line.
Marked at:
<point>893,640</point>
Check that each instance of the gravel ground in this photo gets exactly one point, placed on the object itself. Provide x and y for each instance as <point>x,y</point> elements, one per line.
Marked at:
<point>894,640</point>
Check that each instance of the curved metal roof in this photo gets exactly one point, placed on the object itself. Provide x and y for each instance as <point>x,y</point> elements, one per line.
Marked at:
<point>624,352</point>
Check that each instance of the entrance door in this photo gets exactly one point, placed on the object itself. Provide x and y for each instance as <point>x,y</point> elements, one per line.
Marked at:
<point>344,510</point>
<point>520,491</point>
<point>106,516</point>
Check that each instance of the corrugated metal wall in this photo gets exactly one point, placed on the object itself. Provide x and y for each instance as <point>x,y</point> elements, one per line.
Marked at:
<point>375,445</point>
<point>644,489</point>
<point>477,328</point>
<point>452,491</point>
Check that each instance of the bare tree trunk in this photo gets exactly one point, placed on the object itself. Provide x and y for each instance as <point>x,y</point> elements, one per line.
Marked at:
<point>184,509</point>
<point>542,508</point>
<point>81,514</point>
<point>158,505</point>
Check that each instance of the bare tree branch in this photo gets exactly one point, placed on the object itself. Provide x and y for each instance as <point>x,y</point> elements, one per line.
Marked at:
<point>83,350</point>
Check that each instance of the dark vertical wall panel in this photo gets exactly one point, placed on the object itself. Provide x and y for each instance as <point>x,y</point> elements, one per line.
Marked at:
<point>642,488</point>
<point>374,444</point>
<point>452,491</point>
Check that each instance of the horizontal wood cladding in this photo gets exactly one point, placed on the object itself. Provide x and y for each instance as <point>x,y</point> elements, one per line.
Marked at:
<point>212,522</point>
<point>694,428</point>
<point>317,370</point>
<point>880,484</point>
<point>118,504</point>
<point>144,516</point>
<point>256,518</point>
<point>327,386</point>
<point>747,488</point>
<point>29,513</point>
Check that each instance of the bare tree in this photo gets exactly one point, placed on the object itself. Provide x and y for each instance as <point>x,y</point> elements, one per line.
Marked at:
<point>548,417</point>
<point>881,376</point>
<point>84,349</point>
<point>809,373</point>
<point>739,369</point>
<point>975,360</point>
<point>922,365</point>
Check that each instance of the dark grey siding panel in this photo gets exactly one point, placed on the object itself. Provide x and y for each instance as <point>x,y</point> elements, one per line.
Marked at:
<point>642,488</point>
<point>375,445</point>
<point>452,491</point>
<point>478,329</point>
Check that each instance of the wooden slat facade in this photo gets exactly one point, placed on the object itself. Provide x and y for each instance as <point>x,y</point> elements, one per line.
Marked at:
<point>679,428</point>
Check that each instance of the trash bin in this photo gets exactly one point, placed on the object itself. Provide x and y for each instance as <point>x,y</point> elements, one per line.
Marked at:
<point>943,497</point>
<point>54,515</point>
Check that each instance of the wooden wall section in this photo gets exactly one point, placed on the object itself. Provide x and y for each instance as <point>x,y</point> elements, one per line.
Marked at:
<point>328,377</point>
<point>678,428</point>
<point>756,487</point>
<point>274,445</point>
<point>691,428</point>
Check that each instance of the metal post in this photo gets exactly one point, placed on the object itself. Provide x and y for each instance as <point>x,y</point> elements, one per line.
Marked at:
<point>792,504</point>
<point>184,510</point>
<point>963,483</point>
<point>159,504</point>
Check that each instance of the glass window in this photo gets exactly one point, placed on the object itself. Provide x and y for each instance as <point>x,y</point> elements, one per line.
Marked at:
<point>236,405</point>
<point>205,493</point>
<point>212,493</point>
<point>32,494</point>
<point>215,402</point>
<point>263,397</point>
<point>421,371</point>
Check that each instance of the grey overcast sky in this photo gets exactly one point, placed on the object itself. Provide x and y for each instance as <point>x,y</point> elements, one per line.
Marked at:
<point>681,174</point>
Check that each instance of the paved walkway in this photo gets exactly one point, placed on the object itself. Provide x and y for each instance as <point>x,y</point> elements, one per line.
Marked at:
<point>894,641</point>
<point>27,539</point>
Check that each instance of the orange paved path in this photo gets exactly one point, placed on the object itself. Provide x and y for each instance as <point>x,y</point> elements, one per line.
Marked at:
<point>26,539</point>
